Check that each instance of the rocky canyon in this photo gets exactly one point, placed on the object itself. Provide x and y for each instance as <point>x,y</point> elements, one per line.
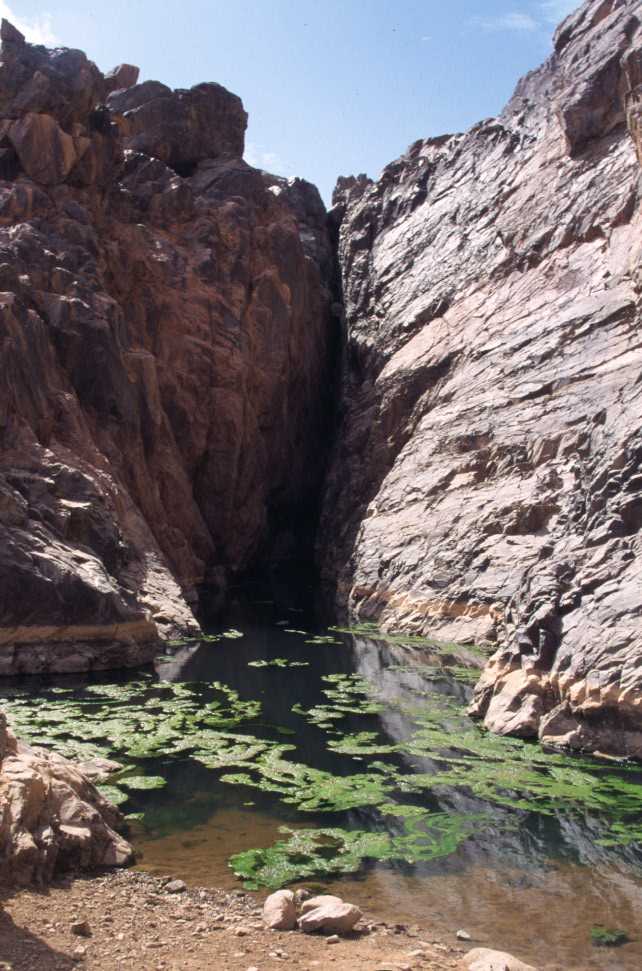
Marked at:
<point>439,382</point>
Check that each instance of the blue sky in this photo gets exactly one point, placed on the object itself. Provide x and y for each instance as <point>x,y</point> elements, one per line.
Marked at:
<point>332,87</point>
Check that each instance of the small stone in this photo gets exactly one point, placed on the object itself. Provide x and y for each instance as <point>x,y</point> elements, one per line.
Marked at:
<point>333,939</point>
<point>241,931</point>
<point>176,886</point>
<point>463,936</point>
<point>81,928</point>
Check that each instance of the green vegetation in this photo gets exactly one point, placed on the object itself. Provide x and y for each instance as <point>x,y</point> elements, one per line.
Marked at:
<point>606,937</point>
<point>314,852</point>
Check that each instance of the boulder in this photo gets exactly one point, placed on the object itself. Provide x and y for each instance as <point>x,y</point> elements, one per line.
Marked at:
<point>181,127</point>
<point>328,914</point>
<point>51,816</point>
<point>121,77</point>
<point>47,153</point>
<point>279,911</point>
<point>483,959</point>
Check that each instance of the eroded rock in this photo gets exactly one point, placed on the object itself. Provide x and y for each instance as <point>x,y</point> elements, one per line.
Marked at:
<point>168,338</point>
<point>51,816</point>
<point>486,485</point>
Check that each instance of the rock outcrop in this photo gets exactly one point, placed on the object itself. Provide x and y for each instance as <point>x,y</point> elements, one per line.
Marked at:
<point>487,482</point>
<point>167,335</point>
<point>51,816</point>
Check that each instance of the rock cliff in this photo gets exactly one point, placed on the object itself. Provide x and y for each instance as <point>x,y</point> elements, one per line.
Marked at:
<point>51,816</point>
<point>487,481</point>
<point>167,339</point>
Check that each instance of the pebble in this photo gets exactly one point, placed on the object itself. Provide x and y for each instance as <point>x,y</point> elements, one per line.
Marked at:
<point>333,939</point>
<point>81,928</point>
<point>176,886</point>
<point>463,936</point>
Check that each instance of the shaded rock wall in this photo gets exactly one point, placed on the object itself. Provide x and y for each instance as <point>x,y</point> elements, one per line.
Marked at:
<point>51,816</point>
<point>487,483</point>
<point>167,341</point>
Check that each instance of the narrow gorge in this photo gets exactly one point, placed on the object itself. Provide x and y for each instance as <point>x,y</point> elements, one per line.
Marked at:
<point>424,406</point>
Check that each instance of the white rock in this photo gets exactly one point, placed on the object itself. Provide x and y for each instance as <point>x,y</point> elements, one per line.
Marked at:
<point>279,911</point>
<point>329,914</point>
<point>483,959</point>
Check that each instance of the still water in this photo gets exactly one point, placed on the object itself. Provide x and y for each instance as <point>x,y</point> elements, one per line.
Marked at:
<point>526,852</point>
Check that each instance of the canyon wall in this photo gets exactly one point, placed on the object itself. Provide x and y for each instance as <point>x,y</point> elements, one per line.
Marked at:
<point>487,481</point>
<point>167,335</point>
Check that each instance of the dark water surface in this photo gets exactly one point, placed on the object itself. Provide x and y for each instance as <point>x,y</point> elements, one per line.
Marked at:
<point>530,872</point>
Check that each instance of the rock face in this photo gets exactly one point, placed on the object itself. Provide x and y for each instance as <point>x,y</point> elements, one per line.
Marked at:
<point>51,816</point>
<point>167,340</point>
<point>487,482</point>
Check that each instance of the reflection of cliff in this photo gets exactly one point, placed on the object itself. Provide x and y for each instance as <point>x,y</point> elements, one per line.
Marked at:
<point>515,837</point>
<point>167,337</point>
<point>486,482</point>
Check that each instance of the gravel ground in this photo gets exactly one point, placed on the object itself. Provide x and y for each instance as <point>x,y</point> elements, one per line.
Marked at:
<point>129,920</point>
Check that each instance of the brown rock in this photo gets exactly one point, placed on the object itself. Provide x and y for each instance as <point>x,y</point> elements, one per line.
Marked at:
<point>181,127</point>
<point>10,34</point>
<point>123,76</point>
<point>168,343</point>
<point>328,914</point>
<point>46,152</point>
<point>486,483</point>
<point>279,911</point>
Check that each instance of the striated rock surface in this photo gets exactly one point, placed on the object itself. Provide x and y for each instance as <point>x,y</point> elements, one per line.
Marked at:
<point>167,340</point>
<point>51,816</point>
<point>487,482</point>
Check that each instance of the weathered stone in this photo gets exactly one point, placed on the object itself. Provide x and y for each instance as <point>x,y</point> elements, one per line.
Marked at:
<point>51,816</point>
<point>181,127</point>
<point>486,483</point>
<point>47,153</point>
<point>279,911</point>
<point>10,34</point>
<point>328,914</point>
<point>121,77</point>
<point>483,959</point>
<point>168,352</point>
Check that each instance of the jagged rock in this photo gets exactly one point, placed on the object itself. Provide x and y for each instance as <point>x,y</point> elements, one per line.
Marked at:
<point>183,127</point>
<point>123,76</point>
<point>486,484</point>
<point>51,816</point>
<point>10,34</point>
<point>483,959</point>
<point>279,911</point>
<point>328,914</point>
<point>168,350</point>
<point>47,153</point>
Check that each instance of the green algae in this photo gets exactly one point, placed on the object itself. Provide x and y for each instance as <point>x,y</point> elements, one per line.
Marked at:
<point>142,782</point>
<point>113,794</point>
<point>278,662</point>
<point>423,837</point>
